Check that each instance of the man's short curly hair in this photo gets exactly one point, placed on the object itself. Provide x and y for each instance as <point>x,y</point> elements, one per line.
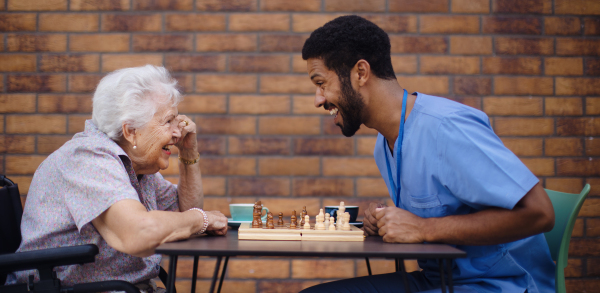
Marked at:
<point>343,41</point>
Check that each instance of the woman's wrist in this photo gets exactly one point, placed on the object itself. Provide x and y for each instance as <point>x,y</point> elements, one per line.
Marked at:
<point>189,158</point>
<point>205,222</point>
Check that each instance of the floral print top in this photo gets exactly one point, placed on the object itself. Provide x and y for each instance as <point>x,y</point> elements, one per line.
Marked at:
<point>73,186</point>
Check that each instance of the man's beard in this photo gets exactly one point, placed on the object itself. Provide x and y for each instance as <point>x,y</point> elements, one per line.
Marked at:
<point>351,105</point>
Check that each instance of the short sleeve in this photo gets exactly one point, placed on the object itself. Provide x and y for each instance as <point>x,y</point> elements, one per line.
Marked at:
<point>475,165</point>
<point>94,181</point>
<point>166,194</point>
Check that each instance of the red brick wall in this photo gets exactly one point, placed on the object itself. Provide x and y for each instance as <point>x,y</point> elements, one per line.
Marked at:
<point>532,65</point>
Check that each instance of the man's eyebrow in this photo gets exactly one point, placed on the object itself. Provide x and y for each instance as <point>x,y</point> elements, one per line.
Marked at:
<point>314,75</point>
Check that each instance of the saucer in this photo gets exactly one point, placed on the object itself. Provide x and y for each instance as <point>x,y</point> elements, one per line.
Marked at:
<point>235,224</point>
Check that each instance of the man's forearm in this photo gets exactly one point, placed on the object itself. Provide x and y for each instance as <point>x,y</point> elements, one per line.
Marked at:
<point>532,215</point>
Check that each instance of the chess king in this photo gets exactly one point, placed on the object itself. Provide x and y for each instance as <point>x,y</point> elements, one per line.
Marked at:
<point>449,175</point>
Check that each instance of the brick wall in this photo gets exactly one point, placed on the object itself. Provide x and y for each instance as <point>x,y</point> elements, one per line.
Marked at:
<point>532,65</point>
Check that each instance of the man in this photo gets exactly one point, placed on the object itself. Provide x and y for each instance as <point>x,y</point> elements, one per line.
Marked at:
<point>450,176</point>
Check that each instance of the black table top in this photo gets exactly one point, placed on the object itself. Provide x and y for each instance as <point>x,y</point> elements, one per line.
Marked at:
<point>373,246</point>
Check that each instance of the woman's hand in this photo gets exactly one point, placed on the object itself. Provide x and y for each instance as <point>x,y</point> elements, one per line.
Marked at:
<point>217,223</point>
<point>187,144</point>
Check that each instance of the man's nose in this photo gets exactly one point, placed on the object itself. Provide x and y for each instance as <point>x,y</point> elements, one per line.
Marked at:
<point>319,98</point>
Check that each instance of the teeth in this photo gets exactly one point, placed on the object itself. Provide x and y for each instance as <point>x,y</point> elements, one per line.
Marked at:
<point>333,111</point>
<point>167,147</point>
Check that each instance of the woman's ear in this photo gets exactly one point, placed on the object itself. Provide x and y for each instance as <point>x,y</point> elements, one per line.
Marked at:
<point>129,134</point>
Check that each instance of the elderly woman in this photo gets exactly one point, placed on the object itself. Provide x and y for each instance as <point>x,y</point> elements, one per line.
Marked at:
<point>103,187</point>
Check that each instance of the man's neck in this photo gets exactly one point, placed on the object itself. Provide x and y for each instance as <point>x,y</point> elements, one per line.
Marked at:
<point>386,109</point>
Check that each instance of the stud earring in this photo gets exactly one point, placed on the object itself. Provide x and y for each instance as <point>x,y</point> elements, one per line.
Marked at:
<point>135,147</point>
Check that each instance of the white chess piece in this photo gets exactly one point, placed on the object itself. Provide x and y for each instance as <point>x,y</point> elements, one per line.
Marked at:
<point>306,222</point>
<point>320,225</point>
<point>346,226</point>
<point>326,223</point>
<point>342,208</point>
<point>331,224</point>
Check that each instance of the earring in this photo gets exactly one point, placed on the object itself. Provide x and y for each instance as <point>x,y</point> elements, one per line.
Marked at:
<point>135,147</point>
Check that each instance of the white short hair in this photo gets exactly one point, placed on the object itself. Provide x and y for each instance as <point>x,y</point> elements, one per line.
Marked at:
<point>132,96</point>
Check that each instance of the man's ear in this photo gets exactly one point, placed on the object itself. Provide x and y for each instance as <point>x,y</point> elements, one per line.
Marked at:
<point>362,69</point>
<point>129,133</point>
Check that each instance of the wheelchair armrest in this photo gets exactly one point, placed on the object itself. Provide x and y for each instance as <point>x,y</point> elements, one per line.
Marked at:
<point>48,258</point>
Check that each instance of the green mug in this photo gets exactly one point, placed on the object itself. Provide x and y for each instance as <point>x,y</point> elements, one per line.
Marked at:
<point>243,211</point>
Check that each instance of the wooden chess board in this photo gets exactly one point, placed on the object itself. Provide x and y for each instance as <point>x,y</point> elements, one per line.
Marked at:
<point>246,232</point>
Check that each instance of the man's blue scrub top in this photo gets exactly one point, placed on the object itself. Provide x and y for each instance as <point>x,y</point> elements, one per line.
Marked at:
<point>453,164</point>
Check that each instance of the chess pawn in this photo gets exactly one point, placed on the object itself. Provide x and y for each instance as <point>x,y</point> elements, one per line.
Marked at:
<point>346,226</point>
<point>331,224</point>
<point>293,223</point>
<point>280,222</point>
<point>307,222</point>
<point>327,216</point>
<point>270,221</point>
<point>302,215</point>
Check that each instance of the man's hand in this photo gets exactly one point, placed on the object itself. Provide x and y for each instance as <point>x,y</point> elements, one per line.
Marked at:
<point>217,223</point>
<point>399,226</point>
<point>370,221</point>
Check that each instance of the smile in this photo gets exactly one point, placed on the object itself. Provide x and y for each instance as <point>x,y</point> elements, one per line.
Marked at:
<point>333,111</point>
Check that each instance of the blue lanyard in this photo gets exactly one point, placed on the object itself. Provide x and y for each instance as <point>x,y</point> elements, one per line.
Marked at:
<point>397,153</point>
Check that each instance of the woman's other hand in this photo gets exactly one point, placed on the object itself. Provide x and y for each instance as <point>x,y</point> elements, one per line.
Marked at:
<point>217,223</point>
<point>187,144</point>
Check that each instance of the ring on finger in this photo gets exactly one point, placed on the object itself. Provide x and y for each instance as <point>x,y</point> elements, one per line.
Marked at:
<point>186,123</point>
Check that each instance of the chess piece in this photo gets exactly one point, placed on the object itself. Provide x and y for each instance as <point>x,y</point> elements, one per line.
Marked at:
<point>270,221</point>
<point>326,223</point>
<point>331,224</point>
<point>280,222</point>
<point>293,223</point>
<point>346,226</point>
<point>307,222</point>
<point>303,214</point>
<point>260,213</point>
<point>320,225</point>
<point>342,208</point>
<point>255,217</point>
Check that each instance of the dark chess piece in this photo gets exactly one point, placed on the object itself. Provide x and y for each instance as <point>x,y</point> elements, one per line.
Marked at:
<point>258,210</point>
<point>270,221</point>
<point>302,215</point>
<point>256,214</point>
<point>280,222</point>
<point>293,223</point>
<point>255,223</point>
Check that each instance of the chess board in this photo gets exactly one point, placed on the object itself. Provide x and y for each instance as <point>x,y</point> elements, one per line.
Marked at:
<point>246,232</point>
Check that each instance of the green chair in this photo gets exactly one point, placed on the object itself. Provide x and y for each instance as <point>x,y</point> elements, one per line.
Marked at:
<point>566,207</point>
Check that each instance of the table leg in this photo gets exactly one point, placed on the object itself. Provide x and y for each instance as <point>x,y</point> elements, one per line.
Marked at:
<point>223,274</point>
<point>401,267</point>
<point>171,279</point>
<point>449,267</point>
<point>215,274</point>
<point>194,274</point>
<point>440,262</point>
<point>368,266</point>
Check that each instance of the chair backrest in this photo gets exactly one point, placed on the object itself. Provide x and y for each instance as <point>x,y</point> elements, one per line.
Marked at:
<point>11,212</point>
<point>566,208</point>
